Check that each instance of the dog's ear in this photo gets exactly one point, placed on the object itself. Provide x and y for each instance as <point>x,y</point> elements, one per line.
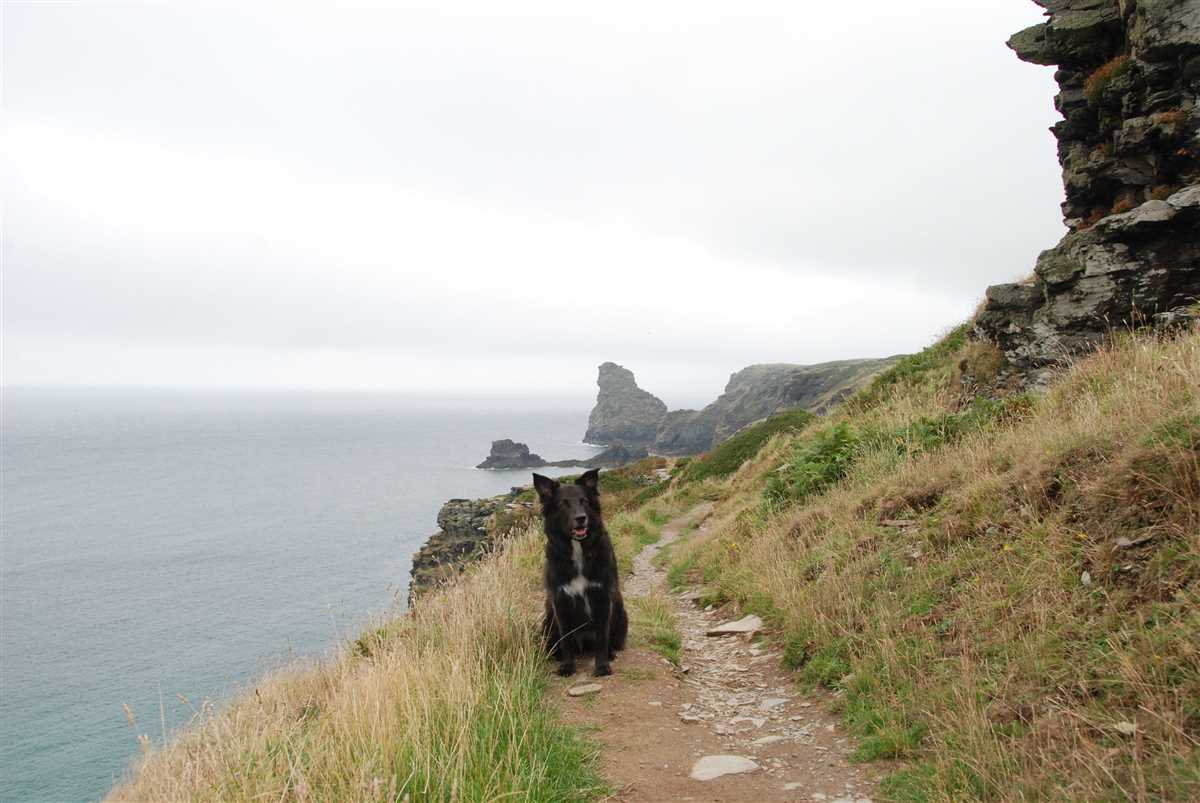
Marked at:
<point>545,488</point>
<point>590,481</point>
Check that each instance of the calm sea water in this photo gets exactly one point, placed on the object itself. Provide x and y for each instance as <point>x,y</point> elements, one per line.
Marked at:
<point>165,543</point>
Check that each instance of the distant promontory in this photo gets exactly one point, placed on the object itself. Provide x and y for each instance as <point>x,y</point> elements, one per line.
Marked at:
<point>627,414</point>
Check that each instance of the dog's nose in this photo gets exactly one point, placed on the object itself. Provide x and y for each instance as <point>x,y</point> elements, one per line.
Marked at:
<point>580,520</point>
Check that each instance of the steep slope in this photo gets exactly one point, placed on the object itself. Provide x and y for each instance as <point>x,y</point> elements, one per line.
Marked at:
<point>1005,593</point>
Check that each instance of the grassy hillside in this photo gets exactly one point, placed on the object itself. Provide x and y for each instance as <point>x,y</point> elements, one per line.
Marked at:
<point>1002,591</point>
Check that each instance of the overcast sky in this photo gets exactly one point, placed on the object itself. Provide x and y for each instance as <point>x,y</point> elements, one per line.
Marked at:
<point>501,195</point>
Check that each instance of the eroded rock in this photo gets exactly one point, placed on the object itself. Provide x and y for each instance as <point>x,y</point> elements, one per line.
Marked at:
<point>1129,145</point>
<point>466,531</point>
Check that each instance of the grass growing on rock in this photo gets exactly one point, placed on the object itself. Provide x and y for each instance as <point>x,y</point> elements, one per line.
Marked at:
<point>1102,76</point>
<point>1005,593</point>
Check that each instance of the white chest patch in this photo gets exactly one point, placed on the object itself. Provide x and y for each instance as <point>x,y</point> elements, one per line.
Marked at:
<point>579,585</point>
<point>577,557</point>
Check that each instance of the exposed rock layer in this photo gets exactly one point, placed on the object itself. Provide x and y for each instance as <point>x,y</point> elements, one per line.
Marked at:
<point>1129,145</point>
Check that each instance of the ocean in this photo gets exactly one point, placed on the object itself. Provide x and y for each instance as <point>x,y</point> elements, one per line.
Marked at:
<point>163,543</point>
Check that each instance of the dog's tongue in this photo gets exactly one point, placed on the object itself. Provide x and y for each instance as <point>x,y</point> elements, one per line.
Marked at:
<point>579,532</point>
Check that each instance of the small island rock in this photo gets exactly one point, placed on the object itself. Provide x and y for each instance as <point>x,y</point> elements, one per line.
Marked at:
<point>507,454</point>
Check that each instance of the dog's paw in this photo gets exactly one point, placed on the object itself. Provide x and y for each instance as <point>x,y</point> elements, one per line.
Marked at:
<point>566,670</point>
<point>602,670</point>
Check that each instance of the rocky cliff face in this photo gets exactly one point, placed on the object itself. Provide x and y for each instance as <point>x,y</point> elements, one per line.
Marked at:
<point>758,391</point>
<point>1129,145</point>
<point>467,528</point>
<point>751,394</point>
<point>624,413</point>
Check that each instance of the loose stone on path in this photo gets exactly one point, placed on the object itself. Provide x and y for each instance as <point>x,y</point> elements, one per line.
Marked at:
<point>746,625</point>
<point>711,767</point>
<point>584,689</point>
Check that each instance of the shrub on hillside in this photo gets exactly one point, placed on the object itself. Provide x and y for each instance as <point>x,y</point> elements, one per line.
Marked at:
<point>729,456</point>
<point>827,455</point>
<point>818,462</point>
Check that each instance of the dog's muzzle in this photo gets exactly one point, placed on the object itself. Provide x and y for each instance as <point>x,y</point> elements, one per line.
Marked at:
<point>579,533</point>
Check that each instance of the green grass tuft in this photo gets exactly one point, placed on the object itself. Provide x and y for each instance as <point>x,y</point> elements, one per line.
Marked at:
<point>653,624</point>
<point>729,456</point>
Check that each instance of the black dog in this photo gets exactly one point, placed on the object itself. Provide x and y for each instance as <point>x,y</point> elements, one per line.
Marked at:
<point>583,588</point>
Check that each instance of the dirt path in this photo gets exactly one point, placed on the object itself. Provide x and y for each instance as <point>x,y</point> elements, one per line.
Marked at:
<point>730,698</point>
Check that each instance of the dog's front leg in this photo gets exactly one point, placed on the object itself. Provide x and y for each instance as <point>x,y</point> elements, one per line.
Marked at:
<point>564,646</point>
<point>601,604</point>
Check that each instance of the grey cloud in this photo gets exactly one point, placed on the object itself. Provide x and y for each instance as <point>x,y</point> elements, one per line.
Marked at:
<point>904,148</point>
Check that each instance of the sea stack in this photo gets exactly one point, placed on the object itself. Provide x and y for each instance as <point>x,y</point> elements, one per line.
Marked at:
<point>508,454</point>
<point>624,413</point>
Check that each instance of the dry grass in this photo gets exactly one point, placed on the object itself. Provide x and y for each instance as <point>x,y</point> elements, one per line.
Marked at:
<point>444,704</point>
<point>1161,192</point>
<point>1123,204</point>
<point>1173,117</point>
<point>1098,81</point>
<point>1034,632</point>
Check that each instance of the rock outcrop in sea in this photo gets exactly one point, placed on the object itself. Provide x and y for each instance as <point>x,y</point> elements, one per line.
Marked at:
<point>1129,145</point>
<point>508,454</point>
<point>752,394</point>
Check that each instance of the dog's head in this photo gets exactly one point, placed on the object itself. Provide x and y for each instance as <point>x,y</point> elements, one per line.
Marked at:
<point>570,509</point>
